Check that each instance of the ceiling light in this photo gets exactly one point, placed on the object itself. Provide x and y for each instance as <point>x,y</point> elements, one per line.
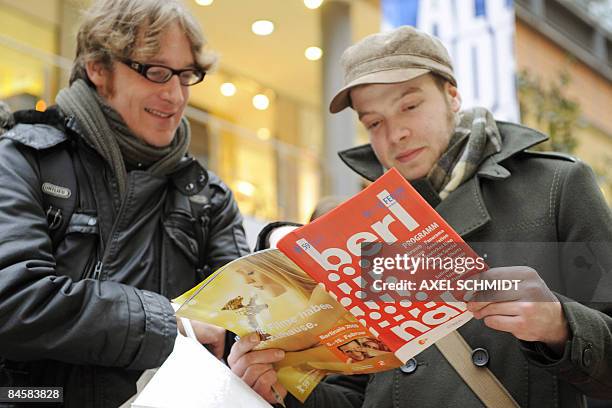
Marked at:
<point>41,105</point>
<point>228,89</point>
<point>313,4</point>
<point>261,102</point>
<point>264,133</point>
<point>204,2</point>
<point>246,188</point>
<point>313,53</point>
<point>262,27</point>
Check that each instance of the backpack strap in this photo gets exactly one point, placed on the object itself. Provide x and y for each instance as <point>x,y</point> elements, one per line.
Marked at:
<point>60,189</point>
<point>481,380</point>
<point>57,173</point>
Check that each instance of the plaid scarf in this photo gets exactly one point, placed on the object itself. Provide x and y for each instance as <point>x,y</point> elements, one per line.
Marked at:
<point>476,137</point>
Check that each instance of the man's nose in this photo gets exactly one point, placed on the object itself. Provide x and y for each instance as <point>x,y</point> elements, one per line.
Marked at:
<point>398,132</point>
<point>173,91</point>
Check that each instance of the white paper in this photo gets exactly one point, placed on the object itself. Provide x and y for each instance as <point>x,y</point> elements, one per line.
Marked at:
<point>191,377</point>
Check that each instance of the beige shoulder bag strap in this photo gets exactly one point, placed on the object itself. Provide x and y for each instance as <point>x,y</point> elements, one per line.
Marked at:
<point>480,379</point>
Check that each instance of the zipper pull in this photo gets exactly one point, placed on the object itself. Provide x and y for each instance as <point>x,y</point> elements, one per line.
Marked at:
<point>97,270</point>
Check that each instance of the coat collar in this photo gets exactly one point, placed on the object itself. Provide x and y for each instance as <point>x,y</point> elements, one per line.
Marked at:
<point>464,209</point>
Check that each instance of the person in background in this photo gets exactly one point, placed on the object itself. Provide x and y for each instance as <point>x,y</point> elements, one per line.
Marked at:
<point>90,311</point>
<point>325,205</point>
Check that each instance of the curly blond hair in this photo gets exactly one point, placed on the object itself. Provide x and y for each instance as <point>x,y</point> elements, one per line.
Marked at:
<point>132,29</point>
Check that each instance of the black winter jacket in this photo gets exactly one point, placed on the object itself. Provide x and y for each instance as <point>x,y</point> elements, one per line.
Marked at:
<point>64,323</point>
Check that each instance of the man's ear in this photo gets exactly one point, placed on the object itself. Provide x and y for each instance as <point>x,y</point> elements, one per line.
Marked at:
<point>454,97</point>
<point>98,75</point>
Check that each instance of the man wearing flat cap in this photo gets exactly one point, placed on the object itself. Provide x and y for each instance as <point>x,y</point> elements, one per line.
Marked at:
<point>550,344</point>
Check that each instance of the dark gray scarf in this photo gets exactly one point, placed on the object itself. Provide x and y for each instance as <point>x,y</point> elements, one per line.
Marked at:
<point>106,131</point>
<point>476,137</point>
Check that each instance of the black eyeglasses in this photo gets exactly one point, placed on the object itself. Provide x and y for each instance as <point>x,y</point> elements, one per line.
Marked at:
<point>162,74</point>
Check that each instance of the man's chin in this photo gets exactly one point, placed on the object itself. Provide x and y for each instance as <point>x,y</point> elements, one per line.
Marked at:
<point>160,140</point>
<point>411,173</point>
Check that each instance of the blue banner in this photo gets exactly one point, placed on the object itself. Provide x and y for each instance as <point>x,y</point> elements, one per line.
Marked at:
<point>479,35</point>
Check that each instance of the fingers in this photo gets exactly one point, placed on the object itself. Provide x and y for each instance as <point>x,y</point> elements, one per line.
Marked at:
<point>507,272</point>
<point>531,312</point>
<point>263,386</point>
<point>281,390</point>
<point>255,367</point>
<point>242,355</point>
<point>262,377</point>
<point>508,317</point>
<point>529,321</point>
<point>213,337</point>
<point>503,323</point>
<point>493,286</point>
<point>519,326</point>
<point>242,346</point>
<point>485,297</point>
<point>216,349</point>
<point>266,357</point>
<point>254,372</point>
<point>208,333</point>
<point>275,394</point>
<point>526,286</point>
<point>269,388</point>
<point>475,307</point>
<point>502,309</point>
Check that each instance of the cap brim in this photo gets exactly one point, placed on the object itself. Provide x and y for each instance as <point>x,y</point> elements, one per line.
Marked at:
<point>342,98</point>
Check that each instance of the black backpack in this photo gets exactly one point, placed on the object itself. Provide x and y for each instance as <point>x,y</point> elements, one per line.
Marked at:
<point>60,185</point>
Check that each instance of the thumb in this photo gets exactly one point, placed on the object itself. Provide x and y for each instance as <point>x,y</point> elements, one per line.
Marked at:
<point>211,336</point>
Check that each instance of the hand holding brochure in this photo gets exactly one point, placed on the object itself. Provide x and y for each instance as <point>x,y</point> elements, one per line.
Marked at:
<point>268,294</point>
<point>312,297</point>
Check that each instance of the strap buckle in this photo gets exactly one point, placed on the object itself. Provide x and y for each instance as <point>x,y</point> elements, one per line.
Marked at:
<point>54,218</point>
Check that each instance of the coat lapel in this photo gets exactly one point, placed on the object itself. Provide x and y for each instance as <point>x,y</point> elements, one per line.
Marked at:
<point>464,209</point>
<point>363,161</point>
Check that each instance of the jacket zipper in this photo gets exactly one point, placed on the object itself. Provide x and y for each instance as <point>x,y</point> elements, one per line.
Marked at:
<point>101,250</point>
<point>104,250</point>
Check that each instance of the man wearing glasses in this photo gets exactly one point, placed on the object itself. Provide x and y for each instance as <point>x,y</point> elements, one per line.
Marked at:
<point>89,312</point>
